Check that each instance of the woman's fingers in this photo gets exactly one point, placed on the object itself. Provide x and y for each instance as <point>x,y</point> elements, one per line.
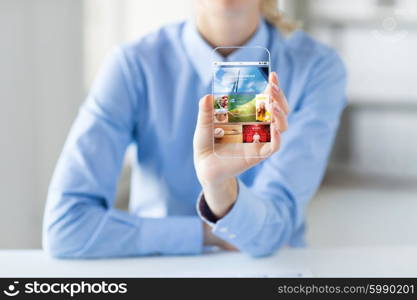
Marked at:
<point>277,94</point>
<point>279,124</point>
<point>269,149</point>
<point>279,118</point>
<point>273,77</point>
<point>280,110</point>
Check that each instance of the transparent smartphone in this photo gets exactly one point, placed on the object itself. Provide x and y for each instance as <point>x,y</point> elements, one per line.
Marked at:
<point>242,114</point>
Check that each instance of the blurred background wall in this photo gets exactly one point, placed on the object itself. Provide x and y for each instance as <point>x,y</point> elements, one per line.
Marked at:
<point>51,50</point>
<point>41,86</point>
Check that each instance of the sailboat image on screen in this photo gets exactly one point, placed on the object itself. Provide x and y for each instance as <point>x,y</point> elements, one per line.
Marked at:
<point>236,83</point>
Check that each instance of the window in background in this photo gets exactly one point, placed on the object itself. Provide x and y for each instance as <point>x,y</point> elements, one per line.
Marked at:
<point>377,40</point>
<point>370,190</point>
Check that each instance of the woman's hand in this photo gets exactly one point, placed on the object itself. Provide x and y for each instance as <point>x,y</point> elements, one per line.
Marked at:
<point>211,240</point>
<point>217,175</point>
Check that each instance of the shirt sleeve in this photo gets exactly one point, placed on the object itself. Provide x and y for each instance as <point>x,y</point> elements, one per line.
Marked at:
<point>80,220</point>
<point>269,210</point>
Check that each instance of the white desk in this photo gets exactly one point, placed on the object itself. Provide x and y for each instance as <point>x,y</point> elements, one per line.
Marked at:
<point>336,262</point>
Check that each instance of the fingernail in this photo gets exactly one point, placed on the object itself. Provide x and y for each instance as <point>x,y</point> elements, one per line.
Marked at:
<point>276,77</point>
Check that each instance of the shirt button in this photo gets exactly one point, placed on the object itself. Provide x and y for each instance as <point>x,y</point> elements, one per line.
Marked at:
<point>223,229</point>
<point>232,236</point>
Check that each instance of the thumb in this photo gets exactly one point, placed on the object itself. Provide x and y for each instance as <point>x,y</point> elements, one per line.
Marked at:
<point>205,112</point>
<point>203,136</point>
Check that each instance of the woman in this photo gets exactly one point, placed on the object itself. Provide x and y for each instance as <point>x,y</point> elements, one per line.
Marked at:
<point>147,94</point>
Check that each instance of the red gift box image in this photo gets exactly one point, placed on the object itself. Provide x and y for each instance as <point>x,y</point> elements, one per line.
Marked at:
<point>256,133</point>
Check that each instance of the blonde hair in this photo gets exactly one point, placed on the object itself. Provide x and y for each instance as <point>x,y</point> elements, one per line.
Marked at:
<point>272,14</point>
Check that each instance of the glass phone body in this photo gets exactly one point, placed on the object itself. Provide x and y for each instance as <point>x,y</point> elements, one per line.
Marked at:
<point>241,106</point>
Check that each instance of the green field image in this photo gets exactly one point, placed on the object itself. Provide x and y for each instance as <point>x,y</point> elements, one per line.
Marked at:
<point>242,108</point>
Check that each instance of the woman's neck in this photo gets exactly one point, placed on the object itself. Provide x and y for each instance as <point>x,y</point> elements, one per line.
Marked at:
<point>226,31</point>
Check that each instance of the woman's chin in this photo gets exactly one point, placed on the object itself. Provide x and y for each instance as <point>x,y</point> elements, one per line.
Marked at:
<point>228,7</point>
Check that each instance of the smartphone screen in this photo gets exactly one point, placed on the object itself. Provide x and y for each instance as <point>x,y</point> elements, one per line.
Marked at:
<point>242,110</point>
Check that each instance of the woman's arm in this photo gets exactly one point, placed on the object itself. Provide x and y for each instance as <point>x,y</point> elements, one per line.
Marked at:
<point>80,220</point>
<point>260,218</point>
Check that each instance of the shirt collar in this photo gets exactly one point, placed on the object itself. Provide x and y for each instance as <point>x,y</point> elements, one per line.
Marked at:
<point>201,53</point>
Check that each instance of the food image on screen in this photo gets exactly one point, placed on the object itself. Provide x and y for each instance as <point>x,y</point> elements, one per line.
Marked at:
<point>226,134</point>
<point>240,100</point>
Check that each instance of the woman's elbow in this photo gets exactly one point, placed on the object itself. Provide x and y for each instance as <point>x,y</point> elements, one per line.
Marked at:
<point>58,243</point>
<point>67,229</point>
<point>67,236</point>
